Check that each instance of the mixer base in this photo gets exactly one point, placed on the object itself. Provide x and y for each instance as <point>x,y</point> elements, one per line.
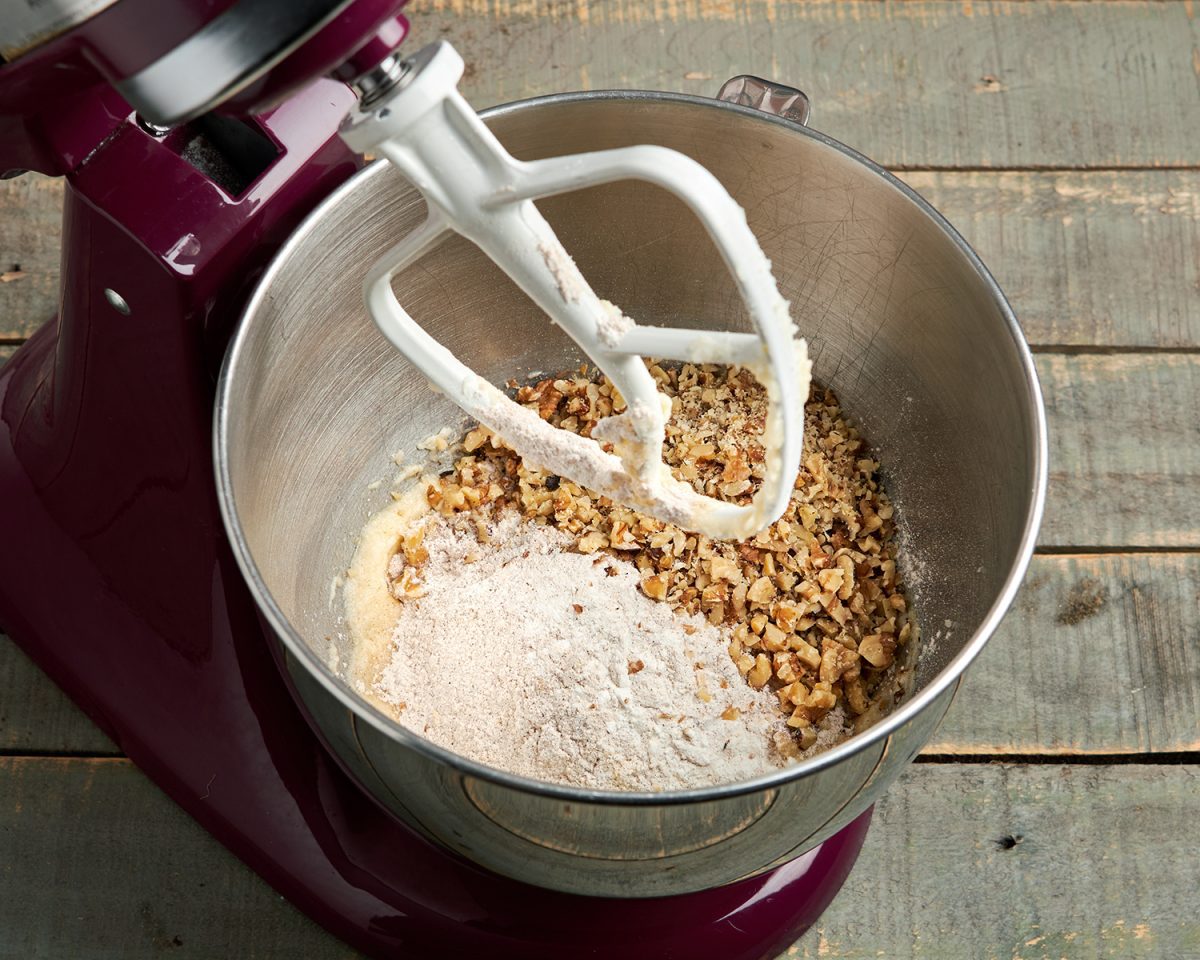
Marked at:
<point>185,684</point>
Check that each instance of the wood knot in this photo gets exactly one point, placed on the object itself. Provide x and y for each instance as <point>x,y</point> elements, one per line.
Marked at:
<point>1085,599</point>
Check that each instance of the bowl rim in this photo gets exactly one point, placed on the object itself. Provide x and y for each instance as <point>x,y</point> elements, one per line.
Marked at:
<point>363,710</point>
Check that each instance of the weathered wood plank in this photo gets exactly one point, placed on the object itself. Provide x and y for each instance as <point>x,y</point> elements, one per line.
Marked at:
<point>1001,862</point>
<point>1124,450</point>
<point>910,84</point>
<point>99,864</point>
<point>1060,243</point>
<point>35,716</point>
<point>1099,655</point>
<point>1086,258</point>
<point>30,231</point>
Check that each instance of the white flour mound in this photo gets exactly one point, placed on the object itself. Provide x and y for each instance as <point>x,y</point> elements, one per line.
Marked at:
<point>551,664</point>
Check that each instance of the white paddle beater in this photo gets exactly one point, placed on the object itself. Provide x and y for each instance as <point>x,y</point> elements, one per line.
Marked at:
<point>472,186</point>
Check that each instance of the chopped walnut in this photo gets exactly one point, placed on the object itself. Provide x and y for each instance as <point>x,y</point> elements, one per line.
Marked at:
<point>761,590</point>
<point>655,586</point>
<point>408,585</point>
<point>760,673</point>
<point>476,439</point>
<point>815,605</point>
<point>835,661</point>
<point>878,649</point>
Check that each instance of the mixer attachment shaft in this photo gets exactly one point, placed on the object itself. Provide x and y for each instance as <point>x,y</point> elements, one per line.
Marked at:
<point>473,187</point>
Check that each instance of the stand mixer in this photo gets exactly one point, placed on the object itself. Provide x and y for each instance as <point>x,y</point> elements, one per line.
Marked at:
<point>209,177</point>
<point>118,580</point>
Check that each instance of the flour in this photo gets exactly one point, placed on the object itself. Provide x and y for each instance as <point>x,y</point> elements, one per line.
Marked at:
<point>553,665</point>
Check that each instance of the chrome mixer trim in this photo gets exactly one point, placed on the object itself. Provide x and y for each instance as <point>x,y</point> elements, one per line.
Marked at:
<point>889,725</point>
<point>227,55</point>
<point>117,302</point>
<point>375,84</point>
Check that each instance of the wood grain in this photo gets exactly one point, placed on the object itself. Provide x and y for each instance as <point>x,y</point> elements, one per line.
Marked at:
<point>1087,258</point>
<point>1099,655</point>
<point>941,84</point>
<point>30,231</point>
<point>1007,862</point>
<point>1124,450</point>
<point>99,864</point>
<point>1039,863</point>
<point>37,717</point>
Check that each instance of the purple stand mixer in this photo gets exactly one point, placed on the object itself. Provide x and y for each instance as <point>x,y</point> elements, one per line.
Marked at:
<point>119,581</point>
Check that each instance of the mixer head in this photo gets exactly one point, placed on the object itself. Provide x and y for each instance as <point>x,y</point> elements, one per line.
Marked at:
<point>473,187</point>
<point>71,70</point>
<point>173,60</point>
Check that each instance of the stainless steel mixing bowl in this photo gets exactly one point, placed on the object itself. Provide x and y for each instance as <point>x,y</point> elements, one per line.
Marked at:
<point>903,321</point>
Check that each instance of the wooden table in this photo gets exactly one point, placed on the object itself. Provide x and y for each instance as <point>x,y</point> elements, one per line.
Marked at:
<point>1057,812</point>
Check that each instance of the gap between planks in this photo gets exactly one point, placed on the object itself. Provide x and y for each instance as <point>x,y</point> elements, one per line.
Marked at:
<point>1116,551</point>
<point>1042,167</point>
<point>1085,350</point>
<point>1187,758</point>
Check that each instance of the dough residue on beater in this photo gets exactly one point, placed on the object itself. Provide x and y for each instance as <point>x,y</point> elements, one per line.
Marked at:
<point>571,285</point>
<point>575,456</point>
<point>612,324</point>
